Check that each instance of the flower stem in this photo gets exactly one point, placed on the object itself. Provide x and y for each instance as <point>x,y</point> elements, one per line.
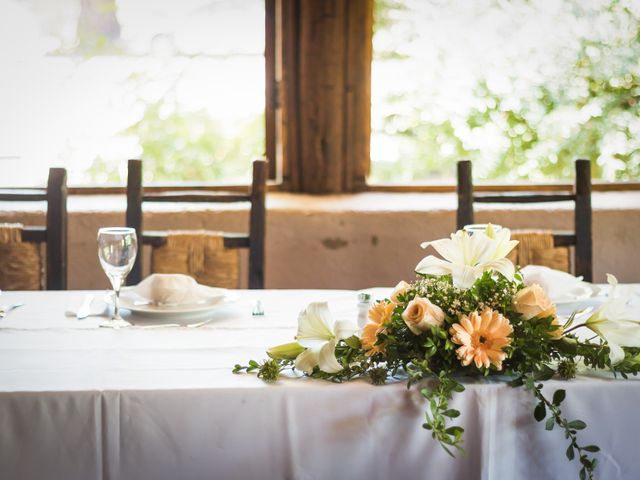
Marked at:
<point>575,327</point>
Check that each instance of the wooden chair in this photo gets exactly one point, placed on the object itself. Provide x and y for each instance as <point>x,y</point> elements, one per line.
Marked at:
<point>54,235</point>
<point>254,240</point>
<point>580,238</point>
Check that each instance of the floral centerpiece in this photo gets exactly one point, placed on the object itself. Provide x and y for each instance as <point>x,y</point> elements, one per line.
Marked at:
<point>467,314</point>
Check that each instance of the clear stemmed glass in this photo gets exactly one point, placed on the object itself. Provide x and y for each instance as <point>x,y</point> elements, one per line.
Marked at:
<point>117,249</point>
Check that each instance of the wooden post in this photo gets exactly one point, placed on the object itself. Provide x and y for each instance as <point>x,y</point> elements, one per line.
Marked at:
<point>134,214</point>
<point>326,82</point>
<point>57,229</point>
<point>583,221</point>
<point>465,194</point>
<point>272,100</point>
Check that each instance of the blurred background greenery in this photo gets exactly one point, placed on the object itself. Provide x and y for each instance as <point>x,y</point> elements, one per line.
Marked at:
<point>520,87</point>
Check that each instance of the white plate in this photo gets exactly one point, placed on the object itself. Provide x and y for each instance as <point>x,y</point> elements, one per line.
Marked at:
<point>216,298</point>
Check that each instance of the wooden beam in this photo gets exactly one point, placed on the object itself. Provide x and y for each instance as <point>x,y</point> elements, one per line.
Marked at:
<point>326,76</point>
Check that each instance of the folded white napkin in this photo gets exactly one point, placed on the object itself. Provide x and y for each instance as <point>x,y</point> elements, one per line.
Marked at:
<point>171,289</point>
<point>560,286</point>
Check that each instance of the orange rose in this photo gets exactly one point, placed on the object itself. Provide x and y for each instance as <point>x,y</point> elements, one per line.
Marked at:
<point>421,314</point>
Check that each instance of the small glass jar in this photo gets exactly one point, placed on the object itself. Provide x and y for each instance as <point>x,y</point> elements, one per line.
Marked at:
<point>481,227</point>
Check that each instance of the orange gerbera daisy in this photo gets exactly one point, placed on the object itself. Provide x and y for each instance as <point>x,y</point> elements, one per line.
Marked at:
<point>379,315</point>
<point>482,338</point>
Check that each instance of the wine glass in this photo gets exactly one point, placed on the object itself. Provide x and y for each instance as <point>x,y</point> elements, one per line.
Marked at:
<point>117,249</point>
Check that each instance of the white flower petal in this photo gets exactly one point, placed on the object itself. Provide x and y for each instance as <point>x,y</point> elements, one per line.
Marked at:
<point>465,276</point>
<point>307,360</point>
<point>344,329</point>
<point>614,322</point>
<point>624,333</point>
<point>503,265</point>
<point>476,248</point>
<point>433,266</point>
<point>449,249</point>
<point>327,361</point>
<point>313,343</point>
<point>616,353</point>
<point>315,323</point>
<point>503,243</point>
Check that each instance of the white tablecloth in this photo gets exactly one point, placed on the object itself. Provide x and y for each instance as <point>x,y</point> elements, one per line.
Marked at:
<point>80,402</point>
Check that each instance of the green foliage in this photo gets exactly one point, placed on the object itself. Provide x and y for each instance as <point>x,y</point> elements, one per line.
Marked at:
<point>187,146</point>
<point>439,413</point>
<point>590,109</point>
<point>552,408</point>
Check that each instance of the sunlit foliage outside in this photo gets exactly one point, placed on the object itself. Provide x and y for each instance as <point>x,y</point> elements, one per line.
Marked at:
<point>520,87</point>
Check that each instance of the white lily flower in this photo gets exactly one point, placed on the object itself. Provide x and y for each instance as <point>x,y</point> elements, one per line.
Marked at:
<point>467,257</point>
<point>614,321</point>
<point>319,334</point>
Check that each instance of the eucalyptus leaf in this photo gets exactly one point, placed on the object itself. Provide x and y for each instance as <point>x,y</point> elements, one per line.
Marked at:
<point>570,454</point>
<point>577,425</point>
<point>559,396</point>
<point>540,412</point>
<point>550,423</point>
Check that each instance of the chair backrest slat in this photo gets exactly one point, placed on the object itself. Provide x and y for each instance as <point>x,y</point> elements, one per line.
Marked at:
<point>509,197</point>
<point>22,195</point>
<point>196,197</point>
<point>34,234</point>
<point>231,240</point>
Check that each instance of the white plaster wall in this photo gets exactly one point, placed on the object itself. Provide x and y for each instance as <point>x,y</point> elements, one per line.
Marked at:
<point>346,241</point>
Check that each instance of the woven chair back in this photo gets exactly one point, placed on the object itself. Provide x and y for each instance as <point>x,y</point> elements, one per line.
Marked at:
<point>21,261</point>
<point>201,255</point>
<point>537,248</point>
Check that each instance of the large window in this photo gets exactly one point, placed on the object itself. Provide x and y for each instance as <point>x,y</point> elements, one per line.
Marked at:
<point>87,84</point>
<point>521,87</point>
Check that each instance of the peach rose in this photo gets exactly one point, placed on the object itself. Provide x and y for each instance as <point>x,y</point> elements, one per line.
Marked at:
<point>533,302</point>
<point>421,314</point>
<point>557,333</point>
<point>400,289</point>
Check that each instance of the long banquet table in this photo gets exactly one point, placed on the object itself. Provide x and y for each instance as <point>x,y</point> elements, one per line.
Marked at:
<point>82,402</point>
